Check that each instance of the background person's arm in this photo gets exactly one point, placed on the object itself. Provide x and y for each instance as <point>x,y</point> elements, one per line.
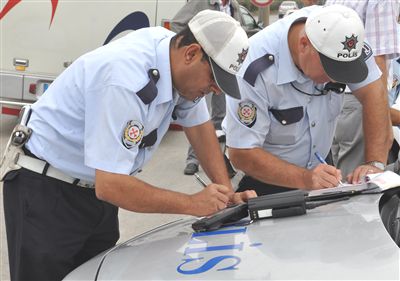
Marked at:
<point>186,13</point>
<point>205,144</point>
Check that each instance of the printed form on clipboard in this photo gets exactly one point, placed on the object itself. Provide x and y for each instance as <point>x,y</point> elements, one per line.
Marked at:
<point>373,182</point>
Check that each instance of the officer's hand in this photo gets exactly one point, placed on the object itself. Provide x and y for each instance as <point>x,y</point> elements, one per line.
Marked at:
<point>240,197</point>
<point>358,175</point>
<point>211,199</point>
<point>322,176</point>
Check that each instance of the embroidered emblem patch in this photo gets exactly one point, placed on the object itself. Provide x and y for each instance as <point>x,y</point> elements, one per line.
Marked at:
<point>247,113</point>
<point>242,56</point>
<point>133,134</point>
<point>350,43</point>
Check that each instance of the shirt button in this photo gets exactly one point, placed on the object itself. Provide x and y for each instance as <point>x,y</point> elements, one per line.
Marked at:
<point>284,122</point>
<point>313,124</point>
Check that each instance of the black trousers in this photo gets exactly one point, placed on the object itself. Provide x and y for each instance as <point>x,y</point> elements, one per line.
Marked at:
<point>261,188</point>
<point>52,226</point>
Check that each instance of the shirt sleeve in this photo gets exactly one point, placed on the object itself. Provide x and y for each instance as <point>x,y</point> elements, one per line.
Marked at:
<point>110,112</point>
<point>247,121</point>
<point>374,73</point>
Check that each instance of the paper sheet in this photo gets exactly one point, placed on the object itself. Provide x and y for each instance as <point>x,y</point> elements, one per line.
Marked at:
<point>346,187</point>
<point>384,181</point>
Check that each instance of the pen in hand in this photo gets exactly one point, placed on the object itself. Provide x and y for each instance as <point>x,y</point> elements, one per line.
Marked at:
<point>204,184</point>
<point>322,160</point>
<point>200,180</point>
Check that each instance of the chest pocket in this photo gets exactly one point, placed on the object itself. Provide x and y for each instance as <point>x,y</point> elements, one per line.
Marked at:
<point>285,127</point>
<point>150,91</point>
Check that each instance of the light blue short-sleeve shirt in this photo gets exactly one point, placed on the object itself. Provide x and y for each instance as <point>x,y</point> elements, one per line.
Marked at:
<point>97,114</point>
<point>275,113</point>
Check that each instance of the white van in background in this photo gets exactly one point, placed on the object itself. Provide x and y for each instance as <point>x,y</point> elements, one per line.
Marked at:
<point>39,39</point>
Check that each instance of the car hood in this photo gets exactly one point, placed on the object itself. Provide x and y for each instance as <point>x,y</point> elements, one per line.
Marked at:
<point>344,240</point>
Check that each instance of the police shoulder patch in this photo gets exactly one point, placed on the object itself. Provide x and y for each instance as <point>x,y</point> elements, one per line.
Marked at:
<point>367,51</point>
<point>247,113</point>
<point>132,134</point>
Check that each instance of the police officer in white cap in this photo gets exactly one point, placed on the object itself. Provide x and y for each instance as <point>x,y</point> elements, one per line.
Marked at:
<point>178,22</point>
<point>98,124</point>
<point>292,85</point>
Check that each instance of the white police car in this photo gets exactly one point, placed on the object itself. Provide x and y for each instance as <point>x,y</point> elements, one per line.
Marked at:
<point>352,239</point>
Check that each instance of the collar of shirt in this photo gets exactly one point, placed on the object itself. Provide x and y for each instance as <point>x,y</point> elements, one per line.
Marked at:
<point>164,68</point>
<point>287,70</point>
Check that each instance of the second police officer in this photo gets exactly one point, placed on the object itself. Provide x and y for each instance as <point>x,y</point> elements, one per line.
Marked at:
<point>289,105</point>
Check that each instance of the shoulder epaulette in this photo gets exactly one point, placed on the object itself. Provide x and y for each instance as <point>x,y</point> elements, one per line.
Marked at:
<point>256,67</point>
<point>150,91</point>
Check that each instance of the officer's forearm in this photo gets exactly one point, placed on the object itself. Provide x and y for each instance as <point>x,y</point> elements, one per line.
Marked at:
<point>267,168</point>
<point>376,121</point>
<point>132,194</point>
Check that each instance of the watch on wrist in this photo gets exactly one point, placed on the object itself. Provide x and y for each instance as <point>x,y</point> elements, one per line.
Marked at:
<point>377,164</point>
